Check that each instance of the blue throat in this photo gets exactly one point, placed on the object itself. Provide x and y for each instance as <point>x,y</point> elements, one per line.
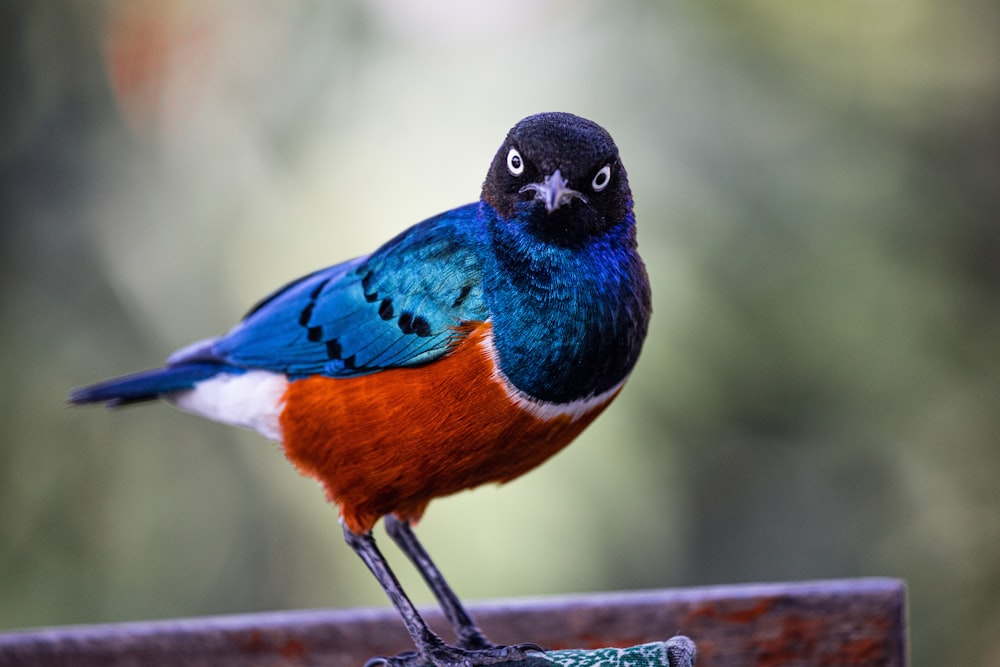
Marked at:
<point>568,321</point>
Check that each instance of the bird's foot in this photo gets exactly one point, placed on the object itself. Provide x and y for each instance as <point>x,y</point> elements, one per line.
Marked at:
<point>472,639</point>
<point>457,656</point>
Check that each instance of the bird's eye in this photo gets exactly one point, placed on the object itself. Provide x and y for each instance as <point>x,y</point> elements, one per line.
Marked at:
<point>601,178</point>
<point>515,163</point>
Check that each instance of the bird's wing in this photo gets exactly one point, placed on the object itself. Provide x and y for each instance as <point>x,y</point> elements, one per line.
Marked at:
<point>400,306</point>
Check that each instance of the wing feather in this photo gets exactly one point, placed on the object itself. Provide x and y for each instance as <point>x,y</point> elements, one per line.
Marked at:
<point>403,305</point>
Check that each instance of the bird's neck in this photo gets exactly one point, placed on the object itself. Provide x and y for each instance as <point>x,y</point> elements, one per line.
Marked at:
<point>568,323</point>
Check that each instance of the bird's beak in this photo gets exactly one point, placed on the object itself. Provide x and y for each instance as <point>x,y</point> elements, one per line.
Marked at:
<point>553,191</point>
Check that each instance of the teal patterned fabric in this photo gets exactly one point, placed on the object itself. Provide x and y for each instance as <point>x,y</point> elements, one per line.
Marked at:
<point>676,652</point>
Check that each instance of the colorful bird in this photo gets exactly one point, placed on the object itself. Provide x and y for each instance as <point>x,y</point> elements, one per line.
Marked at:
<point>468,349</point>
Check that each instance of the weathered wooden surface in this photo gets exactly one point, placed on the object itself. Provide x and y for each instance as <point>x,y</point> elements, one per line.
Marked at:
<point>849,623</point>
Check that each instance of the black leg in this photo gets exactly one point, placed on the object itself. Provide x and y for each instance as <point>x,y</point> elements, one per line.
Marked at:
<point>423,637</point>
<point>430,647</point>
<point>469,635</point>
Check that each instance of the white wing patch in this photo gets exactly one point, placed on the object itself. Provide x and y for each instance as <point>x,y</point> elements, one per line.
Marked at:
<point>544,410</point>
<point>252,400</point>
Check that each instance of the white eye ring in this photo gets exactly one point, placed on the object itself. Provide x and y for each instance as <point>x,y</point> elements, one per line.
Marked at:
<point>515,163</point>
<point>601,178</point>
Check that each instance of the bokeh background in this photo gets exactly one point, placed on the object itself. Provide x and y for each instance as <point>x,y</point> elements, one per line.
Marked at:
<point>818,191</point>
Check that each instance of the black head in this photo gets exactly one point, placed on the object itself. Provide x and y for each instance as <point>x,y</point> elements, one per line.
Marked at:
<point>562,174</point>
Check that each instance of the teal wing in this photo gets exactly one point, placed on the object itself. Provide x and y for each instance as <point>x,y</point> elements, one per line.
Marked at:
<point>399,306</point>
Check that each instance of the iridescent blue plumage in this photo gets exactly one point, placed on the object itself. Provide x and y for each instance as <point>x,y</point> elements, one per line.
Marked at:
<point>398,307</point>
<point>568,320</point>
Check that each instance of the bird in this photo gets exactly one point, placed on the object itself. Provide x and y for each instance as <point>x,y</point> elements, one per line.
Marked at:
<point>466,350</point>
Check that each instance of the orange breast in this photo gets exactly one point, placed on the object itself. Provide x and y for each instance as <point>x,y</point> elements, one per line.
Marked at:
<point>392,441</point>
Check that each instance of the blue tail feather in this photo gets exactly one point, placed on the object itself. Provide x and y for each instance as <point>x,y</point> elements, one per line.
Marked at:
<point>148,385</point>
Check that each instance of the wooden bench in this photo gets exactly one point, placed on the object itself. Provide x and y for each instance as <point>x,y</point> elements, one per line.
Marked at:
<point>853,622</point>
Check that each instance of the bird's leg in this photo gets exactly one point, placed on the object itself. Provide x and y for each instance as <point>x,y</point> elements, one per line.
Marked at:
<point>468,633</point>
<point>421,634</point>
<point>430,647</point>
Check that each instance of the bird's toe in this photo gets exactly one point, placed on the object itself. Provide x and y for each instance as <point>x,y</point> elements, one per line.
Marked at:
<point>458,656</point>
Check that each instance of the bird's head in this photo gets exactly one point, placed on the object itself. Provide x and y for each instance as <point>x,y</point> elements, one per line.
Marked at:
<point>561,175</point>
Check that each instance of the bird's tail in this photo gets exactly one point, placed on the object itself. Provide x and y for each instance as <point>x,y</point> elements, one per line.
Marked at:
<point>147,385</point>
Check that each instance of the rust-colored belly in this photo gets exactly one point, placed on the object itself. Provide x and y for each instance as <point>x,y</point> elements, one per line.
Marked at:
<point>393,440</point>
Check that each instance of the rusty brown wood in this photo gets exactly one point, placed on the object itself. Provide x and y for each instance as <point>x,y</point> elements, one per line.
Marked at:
<point>850,623</point>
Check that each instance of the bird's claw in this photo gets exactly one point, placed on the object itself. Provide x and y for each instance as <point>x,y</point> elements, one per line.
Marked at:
<point>473,640</point>
<point>455,656</point>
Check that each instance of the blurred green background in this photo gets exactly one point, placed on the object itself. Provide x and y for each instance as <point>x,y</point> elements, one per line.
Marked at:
<point>818,192</point>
